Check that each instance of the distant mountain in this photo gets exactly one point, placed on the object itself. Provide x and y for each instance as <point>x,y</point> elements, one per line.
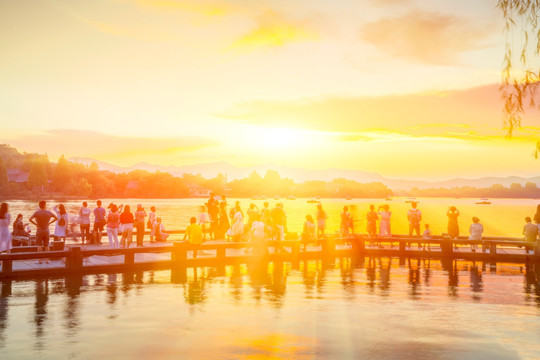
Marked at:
<point>101,164</point>
<point>232,172</point>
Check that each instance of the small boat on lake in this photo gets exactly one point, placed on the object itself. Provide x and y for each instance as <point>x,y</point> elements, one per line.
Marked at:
<point>411,200</point>
<point>348,198</point>
<point>291,198</point>
<point>483,201</point>
<point>313,201</point>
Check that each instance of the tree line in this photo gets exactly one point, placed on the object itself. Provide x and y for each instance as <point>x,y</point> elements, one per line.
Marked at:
<point>68,178</point>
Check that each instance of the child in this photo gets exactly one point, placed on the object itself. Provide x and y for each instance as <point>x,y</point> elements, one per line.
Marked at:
<point>194,235</point>
<point>427,236</point>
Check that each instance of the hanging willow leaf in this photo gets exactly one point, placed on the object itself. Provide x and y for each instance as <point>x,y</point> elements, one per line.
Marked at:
<point>520,86</point>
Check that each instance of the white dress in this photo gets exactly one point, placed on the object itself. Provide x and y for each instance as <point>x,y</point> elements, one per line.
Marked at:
<point>5,234</point>
<point>60,231</point>
<point>237,228</point>
<point>384,225</point>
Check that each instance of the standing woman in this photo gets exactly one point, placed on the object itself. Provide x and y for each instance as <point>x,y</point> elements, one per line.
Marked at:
<point>84,222</point>
<point>140,214</point>
<point>126,219</point>
<point>453,226</point>
<point>151,224</point>
<point>321,220</point>
<point>113,220</point>
<point>384,226</point>
<point>223,222</point>
<point>5,234</point>
<point>345,222</point>
<point>62,222</point>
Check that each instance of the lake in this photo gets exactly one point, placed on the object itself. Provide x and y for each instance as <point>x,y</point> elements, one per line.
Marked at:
<point>367,308</point>
<point>504,217</point>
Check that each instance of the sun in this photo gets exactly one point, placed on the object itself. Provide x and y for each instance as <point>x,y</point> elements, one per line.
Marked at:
<point>272,140</point>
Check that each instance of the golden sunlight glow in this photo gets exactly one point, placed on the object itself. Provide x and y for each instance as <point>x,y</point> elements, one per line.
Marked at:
<point>274,140</point>
<point>274,30</point>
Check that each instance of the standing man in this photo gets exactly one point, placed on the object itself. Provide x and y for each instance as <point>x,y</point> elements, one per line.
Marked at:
<point>279,220</point>
<point>140,214</point>
<point>414,216</point>
<point>43,218</point>
<point>213,207</point>
<point>99,222</point>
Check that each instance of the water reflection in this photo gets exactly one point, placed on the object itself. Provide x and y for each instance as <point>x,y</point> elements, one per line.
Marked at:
<point>532,283</point>
<point>196,286</point>
<point>68,306</point>
<point>4,302</point>
<point>71,307</point>
<point>414,279</point>
<point>476,281</point>
<point>453,280</point>
<point>40,312</point>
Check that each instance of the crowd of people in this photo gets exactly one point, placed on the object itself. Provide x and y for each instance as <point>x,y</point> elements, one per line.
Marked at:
<point>216,222</point>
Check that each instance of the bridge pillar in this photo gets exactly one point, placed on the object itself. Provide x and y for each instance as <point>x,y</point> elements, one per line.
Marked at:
<point>74,259</point>
<point>447,247</point>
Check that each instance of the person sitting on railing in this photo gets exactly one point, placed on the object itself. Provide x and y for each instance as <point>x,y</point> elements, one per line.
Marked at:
<point>309,233</point>
<point>19,227</point>
<point>476,230</point>
<point>160,233</point>
<point>193,234</point>
<point>530,231</point>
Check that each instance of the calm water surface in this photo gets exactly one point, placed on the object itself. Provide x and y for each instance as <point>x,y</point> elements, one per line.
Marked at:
<point>378,308</point>
<point>504,217</point>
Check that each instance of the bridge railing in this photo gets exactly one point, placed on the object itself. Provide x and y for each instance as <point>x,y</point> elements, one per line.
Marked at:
<point>73,256</point>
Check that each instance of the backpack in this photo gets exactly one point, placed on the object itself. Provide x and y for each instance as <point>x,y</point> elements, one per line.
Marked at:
<point>62,221</point>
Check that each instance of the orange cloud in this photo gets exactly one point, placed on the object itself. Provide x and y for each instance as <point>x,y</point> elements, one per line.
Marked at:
<point>275,30</point>
<point>92,143</point>
<point>425,37</point>
<point>135,32</point>
<point>199,7</point>
<point>472,113</point>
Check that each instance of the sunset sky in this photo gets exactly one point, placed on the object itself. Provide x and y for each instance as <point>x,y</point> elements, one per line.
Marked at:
<point>403,88</point>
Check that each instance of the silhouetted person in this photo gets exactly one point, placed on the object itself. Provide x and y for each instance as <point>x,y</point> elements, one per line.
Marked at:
<point>42,219</point>
<point>453,225</point>
<point>99,222</point>
<point>414,216</point>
